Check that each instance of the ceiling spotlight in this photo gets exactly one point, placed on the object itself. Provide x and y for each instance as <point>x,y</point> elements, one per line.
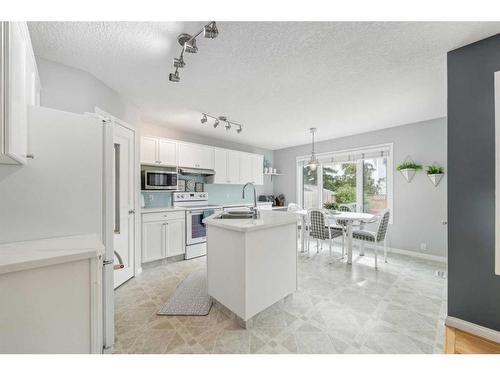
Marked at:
<point>228,125</point>
<point>174,77</point>
<point>190,46</point>
<point>216,123</point>
<point>210,31</point>
<point>179,62</point>
<point>239,130</point>
<point>204,119</point>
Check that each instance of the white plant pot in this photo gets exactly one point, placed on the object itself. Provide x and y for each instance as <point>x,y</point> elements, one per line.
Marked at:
<point>435,178</point>
<point>408,173</point>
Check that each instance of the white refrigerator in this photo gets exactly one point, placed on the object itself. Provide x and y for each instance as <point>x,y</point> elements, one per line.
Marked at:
<point>64,190</point>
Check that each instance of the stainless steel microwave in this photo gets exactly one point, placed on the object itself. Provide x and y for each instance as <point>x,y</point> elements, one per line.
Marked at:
<point>156,179</point>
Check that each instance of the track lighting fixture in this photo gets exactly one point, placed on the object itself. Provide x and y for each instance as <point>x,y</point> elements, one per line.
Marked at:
<point>218,119</point>
<point>190,46</point>
<point>179,62</point>
<point>174,77</point>
<point>210,31</point>
<point>188,43</point>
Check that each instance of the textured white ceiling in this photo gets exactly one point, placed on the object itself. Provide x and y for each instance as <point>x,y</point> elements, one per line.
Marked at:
<point>278,79</point>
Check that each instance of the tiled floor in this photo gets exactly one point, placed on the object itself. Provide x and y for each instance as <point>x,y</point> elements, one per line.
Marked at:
<point>338,309</point>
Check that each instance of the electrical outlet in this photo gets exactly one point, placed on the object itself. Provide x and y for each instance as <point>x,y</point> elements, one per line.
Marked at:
<point>423,246</point>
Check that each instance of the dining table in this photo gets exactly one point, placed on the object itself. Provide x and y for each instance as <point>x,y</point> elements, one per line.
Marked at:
<point>349,218</point>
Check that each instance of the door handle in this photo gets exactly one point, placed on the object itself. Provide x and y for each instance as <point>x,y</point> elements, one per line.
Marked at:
<point>130,212</point>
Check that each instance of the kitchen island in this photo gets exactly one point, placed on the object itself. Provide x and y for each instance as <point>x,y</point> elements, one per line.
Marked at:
<point>251,262</point>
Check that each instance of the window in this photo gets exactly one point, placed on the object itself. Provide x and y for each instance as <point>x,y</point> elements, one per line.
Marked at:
<point>359,179</point>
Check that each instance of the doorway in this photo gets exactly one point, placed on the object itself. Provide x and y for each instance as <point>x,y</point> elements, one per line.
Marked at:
<point>123,202</point>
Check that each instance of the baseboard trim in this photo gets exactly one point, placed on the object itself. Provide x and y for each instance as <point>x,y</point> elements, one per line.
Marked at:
<point>473,329</point>
<point>415,254</point>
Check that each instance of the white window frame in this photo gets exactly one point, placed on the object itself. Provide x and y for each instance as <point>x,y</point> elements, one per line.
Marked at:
<point>388,147</point>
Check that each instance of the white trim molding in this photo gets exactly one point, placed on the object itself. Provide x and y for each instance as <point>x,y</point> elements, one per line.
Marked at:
<point>416,254</point>
<point>497,173</point>
<point>473,329</point>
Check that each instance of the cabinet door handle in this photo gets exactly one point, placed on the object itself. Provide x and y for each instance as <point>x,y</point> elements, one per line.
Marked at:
<point>130,212</point>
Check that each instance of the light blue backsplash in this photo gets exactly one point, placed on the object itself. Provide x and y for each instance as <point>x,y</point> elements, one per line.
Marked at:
<point>217,194</point>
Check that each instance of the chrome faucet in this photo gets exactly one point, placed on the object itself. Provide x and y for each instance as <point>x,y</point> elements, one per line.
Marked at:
<point>256,213</point>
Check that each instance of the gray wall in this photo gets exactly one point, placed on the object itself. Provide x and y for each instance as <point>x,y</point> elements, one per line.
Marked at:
<point>419,207</point>
<point>473,287</point>
<point>74,90</point>
<point>173,133</point>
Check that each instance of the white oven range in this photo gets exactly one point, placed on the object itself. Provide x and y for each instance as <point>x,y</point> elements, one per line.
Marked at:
<point>197,208</point>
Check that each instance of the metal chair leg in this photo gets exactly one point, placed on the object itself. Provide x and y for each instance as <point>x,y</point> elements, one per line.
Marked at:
<point>375,251</point>
<point>317,246</point>
<point>330,246</point>
<point>385,250</point>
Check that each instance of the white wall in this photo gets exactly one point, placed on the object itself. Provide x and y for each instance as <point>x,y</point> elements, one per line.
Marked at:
<point>74,90</point>
<point>419,207</point>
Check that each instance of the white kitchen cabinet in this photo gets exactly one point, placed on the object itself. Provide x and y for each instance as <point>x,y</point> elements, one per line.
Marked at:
<point>19,88</point>
<point>233,167</point>
<point>246,162</point>
<point>158,151</point>
<point>174,237</point>
<point>196,156</point>
<point>257,169</point>
<point>220,166</point>
<point>153,241</point>
<point>149,150</point>
<point>167,152</point>
<point>162,235</point>
<point>51,293</point>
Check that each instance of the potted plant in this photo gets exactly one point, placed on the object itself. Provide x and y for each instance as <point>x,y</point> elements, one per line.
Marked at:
<point>331,206</point>
<point>408,168</point>
<point>435,173</point>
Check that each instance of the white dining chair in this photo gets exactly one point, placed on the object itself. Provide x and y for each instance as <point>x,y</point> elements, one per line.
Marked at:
<point>375,238</point>
<point>319,229</point>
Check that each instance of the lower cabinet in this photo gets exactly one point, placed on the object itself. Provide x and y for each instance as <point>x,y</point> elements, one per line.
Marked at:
<point>162,235</point>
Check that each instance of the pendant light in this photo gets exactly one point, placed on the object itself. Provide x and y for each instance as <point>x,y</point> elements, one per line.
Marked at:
<point>313,162</point>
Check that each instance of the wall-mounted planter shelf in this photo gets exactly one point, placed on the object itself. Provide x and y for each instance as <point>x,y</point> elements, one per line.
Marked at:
<point>435,178</point>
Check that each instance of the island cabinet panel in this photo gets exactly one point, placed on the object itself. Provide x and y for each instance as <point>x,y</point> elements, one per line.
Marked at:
<point>246,271</point>
<point>229,255</point>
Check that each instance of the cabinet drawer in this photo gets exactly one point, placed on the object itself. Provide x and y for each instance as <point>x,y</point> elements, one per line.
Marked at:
<point>161,216</point>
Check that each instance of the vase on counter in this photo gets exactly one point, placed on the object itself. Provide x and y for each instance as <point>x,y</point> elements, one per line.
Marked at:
<point>266,170</point>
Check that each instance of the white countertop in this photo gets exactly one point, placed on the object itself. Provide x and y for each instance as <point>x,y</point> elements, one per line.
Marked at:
<point>25,255</point>
<point>268,219</point>
<point>162,209</point>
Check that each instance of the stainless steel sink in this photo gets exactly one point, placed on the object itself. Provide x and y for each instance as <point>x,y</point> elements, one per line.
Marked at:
<point>237,215</point>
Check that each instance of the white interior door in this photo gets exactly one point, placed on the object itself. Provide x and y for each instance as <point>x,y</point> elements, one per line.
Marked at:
<point>123,198</point>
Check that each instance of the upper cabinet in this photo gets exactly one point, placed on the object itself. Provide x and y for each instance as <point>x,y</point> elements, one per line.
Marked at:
<point>230,166</point>
<point>158,151</point>
<point>257,169</point>
<point>192,155</point>
<point>19,88</point>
